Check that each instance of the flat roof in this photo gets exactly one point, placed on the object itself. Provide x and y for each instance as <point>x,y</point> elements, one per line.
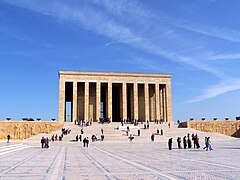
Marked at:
<point>99,73</point>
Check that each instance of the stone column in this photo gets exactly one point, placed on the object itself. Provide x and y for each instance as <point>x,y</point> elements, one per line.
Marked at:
<point>110,100</point>
<point>86,101</point>
<point>135,99</point>
<point>74,110</point>
<point>146,96</point>
<point>98,100</point>
<point>168,102</point>
<point>124,97</point>
<point>62,106</point>
<point>164,103</point>
<point>161,102</point>
<point>157,101</point>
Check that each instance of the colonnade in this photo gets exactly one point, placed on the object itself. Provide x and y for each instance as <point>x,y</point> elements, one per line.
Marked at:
<point>92,100</point>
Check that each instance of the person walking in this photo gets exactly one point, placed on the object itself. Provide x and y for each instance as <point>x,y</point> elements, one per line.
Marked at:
<point>209,144</point>
<point>206,143</point>
<point>138,132</point>
<point>76,137</point>
<point>170,143</point>
<point>102,131</point>
<point>161,131</point>
<point>80,137</point>
<point>84,142</point>
<point>152,137</point>
<point>87,141</point>
<point>8,138</point>
<point>52,138</point>
<point>43,142</point>
<point>47,143</point>
<point>102,137</point>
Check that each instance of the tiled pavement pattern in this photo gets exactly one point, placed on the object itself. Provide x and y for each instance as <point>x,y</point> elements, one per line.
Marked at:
<point>125,160</point>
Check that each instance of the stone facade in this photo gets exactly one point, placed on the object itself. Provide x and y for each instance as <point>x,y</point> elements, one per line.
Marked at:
<point>139,96</point>
<point>230,128</point>
<point>23,130</point>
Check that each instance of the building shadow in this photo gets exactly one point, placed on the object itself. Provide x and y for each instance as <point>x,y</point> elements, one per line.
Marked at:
<point>237,134</point>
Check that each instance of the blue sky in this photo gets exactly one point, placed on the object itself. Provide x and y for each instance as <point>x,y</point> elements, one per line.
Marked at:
<point>195,40</point>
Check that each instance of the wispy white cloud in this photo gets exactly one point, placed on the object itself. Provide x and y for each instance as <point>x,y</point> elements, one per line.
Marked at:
<point>136,11</point>
<point>216,90</point>
<point>223,56</point>
<point>95,20</point>
<point>217,32</point>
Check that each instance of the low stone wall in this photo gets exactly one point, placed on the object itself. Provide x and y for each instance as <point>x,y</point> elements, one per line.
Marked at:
<point>23,130</point>
<point>230,128</point>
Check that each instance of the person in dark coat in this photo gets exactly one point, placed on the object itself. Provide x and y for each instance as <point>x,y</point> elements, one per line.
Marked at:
<point>84,142</point>
<point>87,141</point>
<point>8,138</point>
<point>184,142</point>
<point>46,143</point>
<point>161,131</point>
<point>170,143</point>
<point>189,141</point>
<point>76,137</point>
<point>102,137</point>
<point>80,137</point>
<point>152,137</point>
<point>197,141</point>
<point>179,143</point>
<point>138,132</point>
<point>194,141</point>
<point>43,142</point>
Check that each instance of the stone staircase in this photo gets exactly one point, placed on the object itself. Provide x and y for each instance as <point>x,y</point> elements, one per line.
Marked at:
<point>113,135</point>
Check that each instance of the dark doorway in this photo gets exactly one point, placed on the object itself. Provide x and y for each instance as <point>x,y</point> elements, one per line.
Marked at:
<point>68,101</point>
<point>130,102</point>
<point>103,107</point>
<point>116,102</point>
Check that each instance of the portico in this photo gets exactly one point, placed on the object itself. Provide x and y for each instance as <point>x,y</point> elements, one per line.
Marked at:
<point>85,95</point>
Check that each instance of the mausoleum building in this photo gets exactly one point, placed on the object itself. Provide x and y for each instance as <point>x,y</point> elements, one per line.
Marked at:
<point>89,96</point>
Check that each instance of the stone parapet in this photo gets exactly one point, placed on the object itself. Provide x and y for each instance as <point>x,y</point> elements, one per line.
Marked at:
<point>23,130</point>
<point>229,128</point>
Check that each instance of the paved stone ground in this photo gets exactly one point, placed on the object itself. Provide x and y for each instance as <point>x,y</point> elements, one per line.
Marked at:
<point>125,160</point>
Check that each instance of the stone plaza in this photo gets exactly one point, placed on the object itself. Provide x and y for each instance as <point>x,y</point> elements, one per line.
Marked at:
<point>118,158</point>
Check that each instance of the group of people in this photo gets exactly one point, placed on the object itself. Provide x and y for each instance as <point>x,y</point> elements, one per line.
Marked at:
<point>95,137</point>
<point>130,121</point>
<point>56,137</point>
<point>160,132</point>
<point>156,121</point>
<point>66,131</point>
<point>45,142</point>
<point>146,126</point>
<point>208,144</point>
<point>83,122</point>
<point>188,141</point>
